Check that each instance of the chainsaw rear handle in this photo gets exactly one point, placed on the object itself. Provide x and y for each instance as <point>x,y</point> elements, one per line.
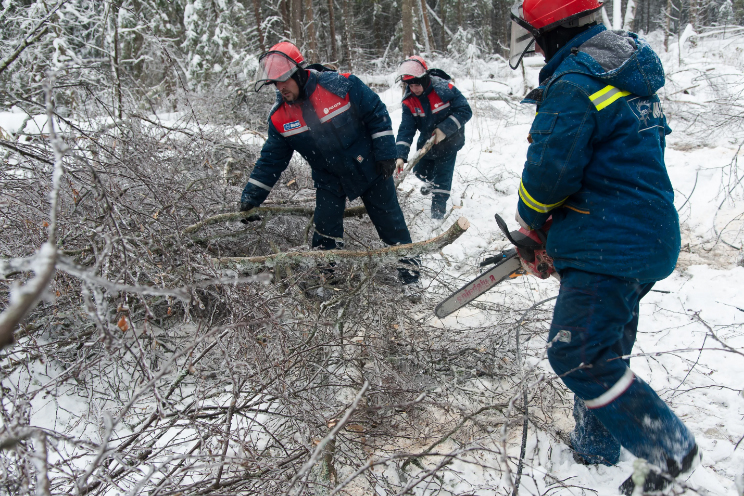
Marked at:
<point>531,248</point>
<point>531,240</point>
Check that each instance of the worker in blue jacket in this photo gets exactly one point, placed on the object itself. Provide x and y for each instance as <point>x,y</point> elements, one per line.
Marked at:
<point>343,130</point>
<point>433,107</point>
<point>596,165</point>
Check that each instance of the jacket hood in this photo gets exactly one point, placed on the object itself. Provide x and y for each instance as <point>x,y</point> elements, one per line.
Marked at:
<point>619,58</point>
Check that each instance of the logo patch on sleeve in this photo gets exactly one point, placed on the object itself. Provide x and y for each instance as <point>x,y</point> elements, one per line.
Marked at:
<point>291,125</point>
<point>648,111</point>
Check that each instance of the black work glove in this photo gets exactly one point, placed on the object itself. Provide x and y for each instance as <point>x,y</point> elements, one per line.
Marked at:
<point>244,207</point>
<point>385,167</point>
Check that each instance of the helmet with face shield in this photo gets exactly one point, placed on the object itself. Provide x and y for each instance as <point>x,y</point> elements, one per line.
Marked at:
<point>413,68</point>
<point>278,64</point>
<point>531,19</point>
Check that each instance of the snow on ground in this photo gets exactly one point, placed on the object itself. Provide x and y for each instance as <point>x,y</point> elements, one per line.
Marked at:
<point>678,350</point>
<point>689,325</point>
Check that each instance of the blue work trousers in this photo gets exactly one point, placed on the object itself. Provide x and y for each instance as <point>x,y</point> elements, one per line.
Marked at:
<point>381,202</point>
<point>437,174</point>
<point>594,326</point>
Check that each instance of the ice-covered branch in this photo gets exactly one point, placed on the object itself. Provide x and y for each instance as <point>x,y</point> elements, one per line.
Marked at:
<point>325,256</point>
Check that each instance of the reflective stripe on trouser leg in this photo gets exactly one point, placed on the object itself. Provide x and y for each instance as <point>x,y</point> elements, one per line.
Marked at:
<point>645,425</point>
<point>381,202</point>
<point>329,219</point>
<point>597,318</point>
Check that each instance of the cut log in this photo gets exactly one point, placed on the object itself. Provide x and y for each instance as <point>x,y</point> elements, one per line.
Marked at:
<point>390,253</point>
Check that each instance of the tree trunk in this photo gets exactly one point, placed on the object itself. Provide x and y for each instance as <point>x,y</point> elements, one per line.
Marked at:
<point>667,25</point>
<point>617,14</point>
<point>297,22</point>
<point>443,22</point>
<point>694,14</point>
<point>348,29</point>
<point>332,28</point>
<point>407,15</point>
<point>257,14</point>
<point>630,12</point>
<point>377,27</point>
<point>427,28</point>
<point>312,54</point>
<point>115,58</point>
<point>286,20</point>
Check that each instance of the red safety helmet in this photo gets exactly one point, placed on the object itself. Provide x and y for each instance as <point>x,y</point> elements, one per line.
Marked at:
<point>533,18</point>
<point>278,64</point>
<point>413,67</point>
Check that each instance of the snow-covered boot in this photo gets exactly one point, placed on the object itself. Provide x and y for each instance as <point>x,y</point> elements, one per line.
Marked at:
<point>655,480</point>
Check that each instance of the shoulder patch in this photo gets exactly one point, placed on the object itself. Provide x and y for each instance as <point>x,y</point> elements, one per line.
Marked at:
<point>648,111</point>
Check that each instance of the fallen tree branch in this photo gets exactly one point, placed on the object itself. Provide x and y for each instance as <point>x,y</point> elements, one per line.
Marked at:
<point>325,256</point>
<point>267,212</point>
<point>415,160</point>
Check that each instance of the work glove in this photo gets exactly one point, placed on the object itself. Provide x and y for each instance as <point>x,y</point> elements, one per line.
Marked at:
<point>439,136</point>
<point>399,165</point>
<point>385,167</point>
<point>244,207</point>
<point>527,257</point>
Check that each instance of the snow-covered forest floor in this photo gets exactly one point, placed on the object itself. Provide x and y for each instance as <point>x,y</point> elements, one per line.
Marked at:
<point>270,381</point>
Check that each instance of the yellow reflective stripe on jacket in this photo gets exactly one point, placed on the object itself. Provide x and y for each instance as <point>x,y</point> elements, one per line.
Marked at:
<point>606,96</point>
<point>534,204</point>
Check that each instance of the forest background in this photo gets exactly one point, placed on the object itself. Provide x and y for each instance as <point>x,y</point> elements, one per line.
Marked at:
<point>153,344</point>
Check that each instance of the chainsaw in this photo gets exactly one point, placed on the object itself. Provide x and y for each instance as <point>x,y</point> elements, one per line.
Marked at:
<point>528,256</point>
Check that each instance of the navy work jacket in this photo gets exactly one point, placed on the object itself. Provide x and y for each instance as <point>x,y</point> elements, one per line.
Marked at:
<point>596,161</point>
<point>341,127</point>
<point>442,106</point>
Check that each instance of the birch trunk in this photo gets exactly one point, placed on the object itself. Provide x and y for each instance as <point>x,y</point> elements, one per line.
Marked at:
<point>617,14</point>
<point>606,19</point>
<point>667,25</point>
<point>630,12</point>
<point>428,38</point>
<point>115,58</point>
